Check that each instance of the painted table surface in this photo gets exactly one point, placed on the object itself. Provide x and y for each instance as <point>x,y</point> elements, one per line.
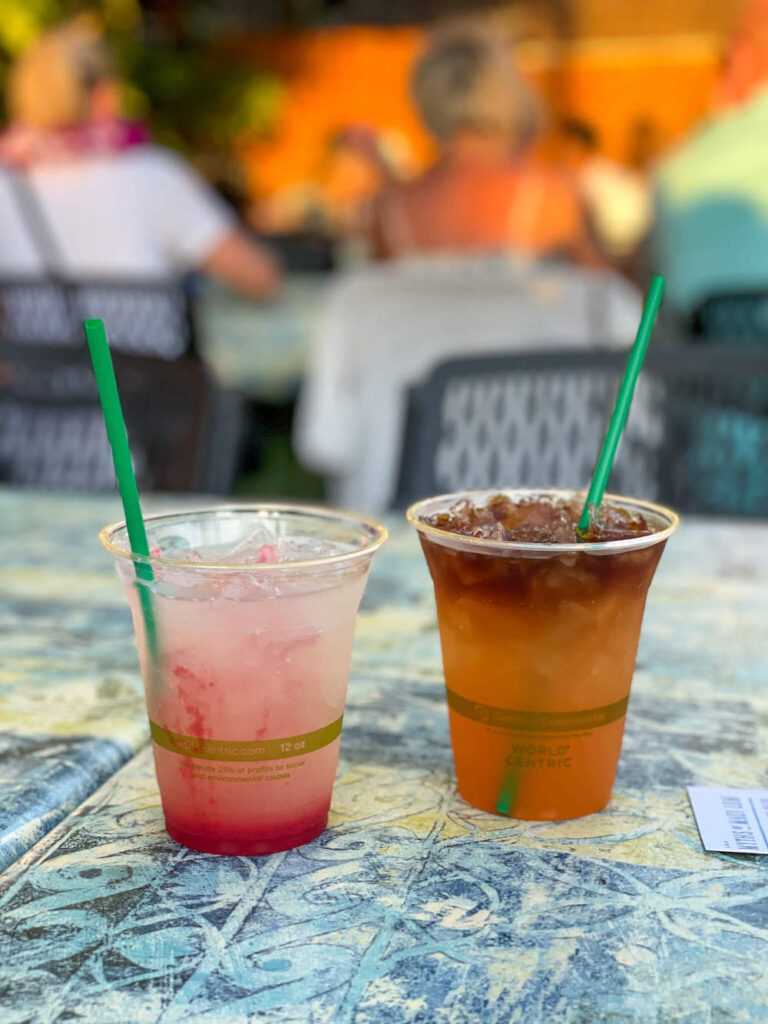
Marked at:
<point>412,906</point>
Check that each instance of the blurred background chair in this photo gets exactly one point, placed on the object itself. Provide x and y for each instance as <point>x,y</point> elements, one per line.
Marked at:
<point>739,316</point>
<point>144,317</point>
<point>385,328</point>
<point>697,436</point>
<point>184,429</point>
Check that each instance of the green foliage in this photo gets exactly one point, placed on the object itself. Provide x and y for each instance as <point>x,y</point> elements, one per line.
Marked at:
<point>22,20</point>
<point>196,95</point>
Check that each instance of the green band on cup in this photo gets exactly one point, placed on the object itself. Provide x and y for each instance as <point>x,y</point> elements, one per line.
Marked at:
<point>245,750</point>
<point>536,721</point>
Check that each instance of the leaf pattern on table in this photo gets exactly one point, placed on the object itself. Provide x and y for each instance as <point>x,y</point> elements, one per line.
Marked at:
<point>42,779</point>
<point>413,907</point>
<point>71,700</point>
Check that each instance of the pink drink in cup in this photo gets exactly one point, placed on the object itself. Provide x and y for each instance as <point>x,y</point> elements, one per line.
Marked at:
<point>252,615</point>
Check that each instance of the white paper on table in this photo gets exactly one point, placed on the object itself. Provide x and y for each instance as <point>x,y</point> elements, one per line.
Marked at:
<point>731,820</point>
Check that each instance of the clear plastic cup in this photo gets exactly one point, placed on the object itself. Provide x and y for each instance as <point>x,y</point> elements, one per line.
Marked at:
<point>245,662</point>
<point>539,644</point>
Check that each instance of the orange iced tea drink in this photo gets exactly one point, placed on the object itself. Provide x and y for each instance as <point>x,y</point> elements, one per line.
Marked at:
<point>539,632</point>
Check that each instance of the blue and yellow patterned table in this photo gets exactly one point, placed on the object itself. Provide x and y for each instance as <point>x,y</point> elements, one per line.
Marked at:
<point>413,907</point>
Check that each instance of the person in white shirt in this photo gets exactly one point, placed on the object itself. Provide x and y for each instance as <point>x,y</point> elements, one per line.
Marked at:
<point>113,204</point>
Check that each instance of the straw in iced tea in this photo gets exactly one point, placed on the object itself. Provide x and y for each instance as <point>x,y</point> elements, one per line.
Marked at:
<point>539,638</point>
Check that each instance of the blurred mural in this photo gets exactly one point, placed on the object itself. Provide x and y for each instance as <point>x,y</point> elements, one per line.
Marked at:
<point>300,107</point>
<point>179,72</point>
<point>304,114</point>
<point>637,74</point>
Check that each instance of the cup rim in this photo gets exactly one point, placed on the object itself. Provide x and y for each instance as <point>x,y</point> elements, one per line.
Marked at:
<point>379,535</point>
<point>481,544</point>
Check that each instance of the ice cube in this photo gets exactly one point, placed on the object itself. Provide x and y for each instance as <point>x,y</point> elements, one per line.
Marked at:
<point>538,520</point>
<point>300,549</point>
<point>491,531</point>
<point>468,519</point>
<point>187,555</point>
<point>614,523</point>
<point>257,547</point>
<point>531,520</point>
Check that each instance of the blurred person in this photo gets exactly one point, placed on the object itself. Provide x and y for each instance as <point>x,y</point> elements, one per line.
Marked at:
<point>107,202</point>
<point>618,199</point>
<point>645,145</point>
<point>711,232</point>
<point>746,64</point>
<point>484,192</point>
<point>358,162</point>
<point>362,163</point>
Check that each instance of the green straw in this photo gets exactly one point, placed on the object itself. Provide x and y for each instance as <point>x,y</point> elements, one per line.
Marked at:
<point>121,456</point>
<point>507,792</point>
<point>623,402</point>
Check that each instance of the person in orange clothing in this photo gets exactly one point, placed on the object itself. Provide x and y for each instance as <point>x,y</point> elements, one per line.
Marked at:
<point>745,69</point>
<point>485,192</point>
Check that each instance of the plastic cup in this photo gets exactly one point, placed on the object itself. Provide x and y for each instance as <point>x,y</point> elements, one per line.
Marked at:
<point>246,690</point>
<point>539,644</point>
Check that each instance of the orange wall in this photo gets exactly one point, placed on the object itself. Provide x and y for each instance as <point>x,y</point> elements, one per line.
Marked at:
<point>333,78</point>
<point>336,77</point>
<point>668,83</point>
<point>602,18</point>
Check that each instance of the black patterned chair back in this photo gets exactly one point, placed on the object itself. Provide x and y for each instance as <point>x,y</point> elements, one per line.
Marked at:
<point>697,435</point>
<point>184,430</point>
<point>734,317</point>
<point>145,318</point>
